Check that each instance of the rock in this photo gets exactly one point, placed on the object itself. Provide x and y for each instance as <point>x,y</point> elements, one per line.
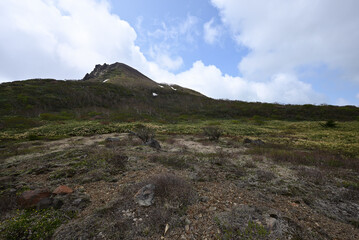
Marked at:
<point>255,142</point>
<point>247,141</point>
<point>153,143</point>
<point>44,203</point>
<point>112,139</point>
<point>57,203</point>
<point>204,199</point>
<point>62,190</point>
<point>29,199</point>
<point>211,209</point>
<point>144,197</point>
<point>271,222</point>
<point>258,142</point>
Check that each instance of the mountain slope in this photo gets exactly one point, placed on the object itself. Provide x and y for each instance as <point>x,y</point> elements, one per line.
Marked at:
<point>123,75</point>
<point>120,90</point>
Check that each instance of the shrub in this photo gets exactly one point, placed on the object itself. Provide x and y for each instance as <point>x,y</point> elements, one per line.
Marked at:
<point>173,189</point>
<point>213,133</point>
<point>144,133</point>
<point>329,124</point>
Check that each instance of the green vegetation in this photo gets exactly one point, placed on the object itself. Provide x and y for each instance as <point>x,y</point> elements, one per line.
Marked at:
<point>51,98</point>
<point>252,230</point>
<point>309,135</point>
<point>33,224</point>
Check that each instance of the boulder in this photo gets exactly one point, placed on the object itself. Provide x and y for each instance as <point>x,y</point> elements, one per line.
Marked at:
<point>29,199</point>
<point>62,190</point>
<point>144,197</point>
<point>153,143</point>
<point>257,142</point>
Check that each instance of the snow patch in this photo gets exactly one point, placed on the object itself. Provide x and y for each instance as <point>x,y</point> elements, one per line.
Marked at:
<point>174,89</point>
<point>105,80</point>
<point>154,94</point>
<point>161,86</point>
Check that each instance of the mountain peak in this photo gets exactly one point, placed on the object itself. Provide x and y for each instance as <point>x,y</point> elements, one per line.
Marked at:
<point>119,74</point>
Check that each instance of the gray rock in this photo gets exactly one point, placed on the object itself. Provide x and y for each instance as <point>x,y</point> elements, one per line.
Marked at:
<point>153,143</point>
<point>254,142</point>
<point>112,139</point>
<point>144,197</point>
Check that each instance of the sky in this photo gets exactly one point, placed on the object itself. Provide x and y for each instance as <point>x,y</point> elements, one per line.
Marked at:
<point>282,51</point>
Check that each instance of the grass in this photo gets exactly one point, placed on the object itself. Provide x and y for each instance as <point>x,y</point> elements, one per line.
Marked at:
<point>317,158</point>
<point>33,224</point>
<point>342,140</point>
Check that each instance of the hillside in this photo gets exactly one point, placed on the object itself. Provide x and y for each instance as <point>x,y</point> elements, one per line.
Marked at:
<point>118,89</point>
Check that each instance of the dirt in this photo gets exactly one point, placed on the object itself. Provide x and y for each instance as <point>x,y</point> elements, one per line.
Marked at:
<point>285,201</point>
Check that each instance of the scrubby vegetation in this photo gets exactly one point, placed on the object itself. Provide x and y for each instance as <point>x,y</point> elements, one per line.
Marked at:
<point>224,170</point>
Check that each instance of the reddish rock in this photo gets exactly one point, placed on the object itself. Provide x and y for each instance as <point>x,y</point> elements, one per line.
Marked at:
<point>29,199</point>
<point>62,190</point>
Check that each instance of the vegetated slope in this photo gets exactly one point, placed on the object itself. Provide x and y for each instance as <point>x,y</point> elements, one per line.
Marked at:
<point>121,90</point>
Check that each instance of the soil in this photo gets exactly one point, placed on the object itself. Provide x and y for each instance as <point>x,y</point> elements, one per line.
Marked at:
<point>285,201</point>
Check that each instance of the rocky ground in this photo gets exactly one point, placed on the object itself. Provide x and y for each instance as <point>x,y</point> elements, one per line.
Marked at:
<point>201,189</point>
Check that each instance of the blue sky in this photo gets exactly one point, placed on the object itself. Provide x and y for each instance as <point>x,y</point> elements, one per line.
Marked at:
<point>282,51</point>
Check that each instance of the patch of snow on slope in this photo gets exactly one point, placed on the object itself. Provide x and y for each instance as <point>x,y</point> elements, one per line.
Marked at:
<point>173,88</point>
<point>105,80</point>
<point>154,94</point>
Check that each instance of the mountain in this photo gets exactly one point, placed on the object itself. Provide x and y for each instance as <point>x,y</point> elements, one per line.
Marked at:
<point>120,92</point>
<point>123,75</point>
<point>120,74</point>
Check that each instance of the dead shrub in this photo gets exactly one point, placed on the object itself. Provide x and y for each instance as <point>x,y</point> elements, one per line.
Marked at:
<point>172,188</point>
<point>144,133</point>
<point>213,133</point>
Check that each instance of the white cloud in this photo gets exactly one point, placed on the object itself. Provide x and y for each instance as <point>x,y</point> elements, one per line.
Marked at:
<point>162,57</point>
<point>342,102</point>
<point>211,33</point>
<point>62,39</point>
<point>212,82</point>
<point>357,96</point>
<point>286,35</point>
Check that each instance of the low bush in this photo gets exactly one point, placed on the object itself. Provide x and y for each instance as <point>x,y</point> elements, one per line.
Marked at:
<point>213,133</point>
<point>329,124</point>
<point>169,187</point>
<point>144,133</point>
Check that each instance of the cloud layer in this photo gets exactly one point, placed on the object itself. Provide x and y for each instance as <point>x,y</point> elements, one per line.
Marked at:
<point>284,36</point>
<point>64,39</point>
